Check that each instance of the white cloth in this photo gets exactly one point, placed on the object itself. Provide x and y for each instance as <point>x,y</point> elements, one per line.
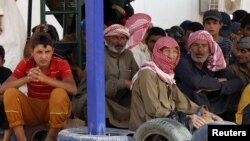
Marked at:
<point>14,34</point>
<point>1,7</point>
<point>141,54</point>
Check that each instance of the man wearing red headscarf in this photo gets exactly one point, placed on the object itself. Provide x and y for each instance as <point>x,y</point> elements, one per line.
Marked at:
<point>155,94</point>
<point>203,77</point>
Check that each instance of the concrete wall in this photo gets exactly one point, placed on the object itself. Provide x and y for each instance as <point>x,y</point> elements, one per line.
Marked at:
<point>167,13</point>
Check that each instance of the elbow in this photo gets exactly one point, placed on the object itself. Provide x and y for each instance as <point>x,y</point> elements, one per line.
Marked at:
<point>74,91</point>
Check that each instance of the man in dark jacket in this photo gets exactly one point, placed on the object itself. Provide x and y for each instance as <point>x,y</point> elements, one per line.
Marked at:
<point>203,77</point>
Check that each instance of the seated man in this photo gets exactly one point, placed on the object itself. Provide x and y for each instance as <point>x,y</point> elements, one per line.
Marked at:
<point>120,67</point>
<point>49,80</point>
<point>203,77</point>
<point>242,69</point>
<point>155,94</point>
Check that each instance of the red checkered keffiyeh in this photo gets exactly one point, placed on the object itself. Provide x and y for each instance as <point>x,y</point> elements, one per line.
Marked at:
<point>137,24</point>
<point>216,59</point>
<point>160,64</point>
<point>116,29</point>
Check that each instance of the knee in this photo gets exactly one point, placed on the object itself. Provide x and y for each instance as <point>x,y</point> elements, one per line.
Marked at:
<point>10,94</point>
<point>58,95</point>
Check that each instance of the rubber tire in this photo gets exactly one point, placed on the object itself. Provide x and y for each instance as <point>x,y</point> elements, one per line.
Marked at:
<point>81,134</point>
<point>201,133</point>
<point>170,129</point>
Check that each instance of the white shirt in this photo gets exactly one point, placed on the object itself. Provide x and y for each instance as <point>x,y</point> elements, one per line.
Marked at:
<point>141,54</point>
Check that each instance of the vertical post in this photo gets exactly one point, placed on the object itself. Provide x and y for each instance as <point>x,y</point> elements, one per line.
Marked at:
<point>42,10</point>
<point>29,18</point>
<point>95,67</point>
<point>79,32</point>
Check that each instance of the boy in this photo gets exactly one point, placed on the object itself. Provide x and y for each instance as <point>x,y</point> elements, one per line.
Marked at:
<point>49,80</point>
<point>212,22</point>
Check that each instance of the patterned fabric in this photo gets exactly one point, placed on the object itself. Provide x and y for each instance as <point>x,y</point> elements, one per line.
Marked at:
<point>116,29</point>
<point>59,69</point>
<point>161,65</point>
<point>166,64</point>
<point>167,78</point>
<point>216,59</point>
<point>137,24</point>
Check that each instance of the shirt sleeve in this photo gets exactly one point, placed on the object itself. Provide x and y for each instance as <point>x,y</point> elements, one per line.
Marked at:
<point>20,69</point>
<point>195,80</point>
<point>183,103</point>
<point>150,93</point>
<point>65,70</point>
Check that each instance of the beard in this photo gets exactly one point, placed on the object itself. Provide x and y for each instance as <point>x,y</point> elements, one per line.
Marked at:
<point>116,49</point>
<point>199,60</point>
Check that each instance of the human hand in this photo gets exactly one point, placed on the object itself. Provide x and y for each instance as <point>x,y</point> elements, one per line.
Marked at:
<point>197,121</point>
<point>35,75</point>
<point>211,116</point>
<point>128,83</point>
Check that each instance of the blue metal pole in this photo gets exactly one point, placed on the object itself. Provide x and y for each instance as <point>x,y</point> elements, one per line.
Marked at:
<point>95,67</point>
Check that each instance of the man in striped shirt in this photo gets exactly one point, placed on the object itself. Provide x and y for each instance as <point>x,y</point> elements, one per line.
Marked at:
<point>49,80</point>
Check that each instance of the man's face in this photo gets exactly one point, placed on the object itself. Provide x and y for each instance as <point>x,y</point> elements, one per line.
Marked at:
<point>246,31</point>
<point>152,40</point>
<point>42,55</point>
<point>212,26</point>
<point>116,43</point>
<point>199,51</point>
<point>171,53</point>
<point>242,56</point>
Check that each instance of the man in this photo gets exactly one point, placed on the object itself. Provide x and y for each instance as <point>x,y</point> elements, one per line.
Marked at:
<point>155,94</point>
<point>138,26</point>
<point>242,56</point>
<point>120,67</point>
<point>192,27</point>
<point>245,25</point>
<point>212,21</point>
<point>4,74</point>
<point>49,80</point>
<point>242,69</point>
<point>202,76</point>
<point>153,35</point>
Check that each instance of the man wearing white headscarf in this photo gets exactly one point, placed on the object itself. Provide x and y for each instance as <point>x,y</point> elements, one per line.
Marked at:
<point>203,77</point>
<point>138,26</point>
<point>120,67</point>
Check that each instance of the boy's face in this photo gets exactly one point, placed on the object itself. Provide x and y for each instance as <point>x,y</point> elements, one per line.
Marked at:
<point>212,26</point>
<point>42,55</point>
<point>246,31</point>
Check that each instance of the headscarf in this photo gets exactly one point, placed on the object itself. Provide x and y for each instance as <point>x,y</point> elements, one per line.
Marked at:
<point>116,29</point>
<point>137,24</point>
<point>167,65</point>
<point>216,59</point>
<point>160,64</point>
